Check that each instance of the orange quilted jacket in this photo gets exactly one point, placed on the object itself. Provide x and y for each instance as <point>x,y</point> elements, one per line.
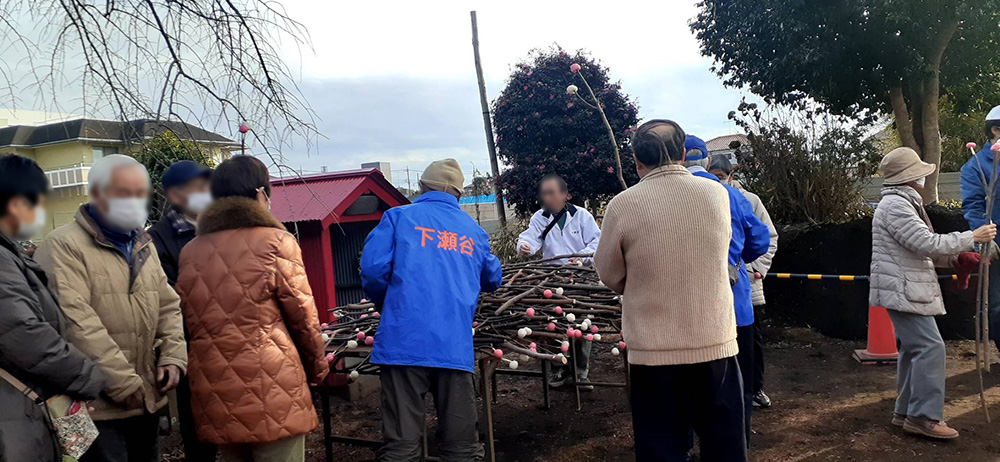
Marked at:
<point>255,342</point>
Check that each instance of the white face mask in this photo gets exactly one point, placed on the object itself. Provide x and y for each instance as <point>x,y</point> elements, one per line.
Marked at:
<point>198,202</point>
<point>128,213</point>
<point>920,182</point>
<point>26,231</point>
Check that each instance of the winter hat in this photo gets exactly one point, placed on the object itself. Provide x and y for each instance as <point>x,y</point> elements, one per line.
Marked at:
<point>994,114</point>
<point>903,165</point>
<point>692,143</point>
<point>444,175</point>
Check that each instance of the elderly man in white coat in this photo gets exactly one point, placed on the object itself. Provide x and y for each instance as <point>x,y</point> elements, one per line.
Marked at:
<point>561,228</point>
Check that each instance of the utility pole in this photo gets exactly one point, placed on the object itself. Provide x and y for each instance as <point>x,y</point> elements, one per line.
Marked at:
<point>408,186</point>
<point>488,124</point>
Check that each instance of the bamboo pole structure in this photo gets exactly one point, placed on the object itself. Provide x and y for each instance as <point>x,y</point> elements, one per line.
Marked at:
<point>488,125</point>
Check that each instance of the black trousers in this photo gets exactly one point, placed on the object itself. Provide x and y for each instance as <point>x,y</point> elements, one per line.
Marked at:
<point>403,392</point>
<point>135,439</point>
<point>758,350</point>
<point>747,362</point>
<point>670,401</point>
<point>194,450</point>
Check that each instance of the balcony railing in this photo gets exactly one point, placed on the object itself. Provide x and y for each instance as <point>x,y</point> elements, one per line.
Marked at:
<point>65,177</point>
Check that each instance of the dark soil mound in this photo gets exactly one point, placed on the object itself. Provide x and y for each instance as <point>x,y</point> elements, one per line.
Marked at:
<point>840,309</point>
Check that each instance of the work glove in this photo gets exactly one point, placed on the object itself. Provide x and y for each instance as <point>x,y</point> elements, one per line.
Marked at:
<point>965,265</point>
<point>991,251</point>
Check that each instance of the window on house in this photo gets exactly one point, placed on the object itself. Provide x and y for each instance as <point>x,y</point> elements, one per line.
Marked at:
<point>100,151</point>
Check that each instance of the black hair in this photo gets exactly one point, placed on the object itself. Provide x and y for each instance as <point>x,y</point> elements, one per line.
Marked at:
<point>21,177</point>
<point>990,125</point>
<point>653,147</point>
<point>558,179</point>
<point>240,176</point>
<point>721,162</point>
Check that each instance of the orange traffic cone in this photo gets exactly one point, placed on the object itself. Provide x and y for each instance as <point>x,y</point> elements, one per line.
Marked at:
<point>881,339</point>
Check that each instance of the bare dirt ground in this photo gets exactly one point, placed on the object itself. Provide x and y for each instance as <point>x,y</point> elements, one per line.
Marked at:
<point>827,407</point>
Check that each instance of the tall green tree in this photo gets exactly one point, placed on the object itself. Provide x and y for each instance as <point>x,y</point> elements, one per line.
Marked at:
<point>860,58</point>
<point>542,128</point>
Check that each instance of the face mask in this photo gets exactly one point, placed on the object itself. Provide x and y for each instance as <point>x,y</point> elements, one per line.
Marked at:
<point>198,202</point>
<point>920,182</point>
<point>26,231</point>
<point>127,214</point>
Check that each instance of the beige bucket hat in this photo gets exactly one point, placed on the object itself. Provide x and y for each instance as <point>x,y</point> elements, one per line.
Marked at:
<point>444,175</point>
<point>903,165</point>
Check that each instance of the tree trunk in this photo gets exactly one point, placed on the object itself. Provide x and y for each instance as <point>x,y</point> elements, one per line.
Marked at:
<point>929,109</point>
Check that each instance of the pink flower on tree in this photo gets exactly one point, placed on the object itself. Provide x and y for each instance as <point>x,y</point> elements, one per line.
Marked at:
<point>611,170</point>
<point>574,68</point>
<point>525,87</point>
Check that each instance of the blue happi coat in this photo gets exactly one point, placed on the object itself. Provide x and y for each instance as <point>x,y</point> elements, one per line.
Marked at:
<point>751,239</point>
<point>424,265</point>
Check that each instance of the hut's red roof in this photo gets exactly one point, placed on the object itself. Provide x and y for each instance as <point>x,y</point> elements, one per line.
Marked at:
<point>320,196</point>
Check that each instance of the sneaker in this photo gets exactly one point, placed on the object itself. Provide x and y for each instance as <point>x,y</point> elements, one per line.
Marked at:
<point>936,429</point>
<point>898,419</point>
<point>585,384</point>
<point>559,378</point>
<point>761,400</point>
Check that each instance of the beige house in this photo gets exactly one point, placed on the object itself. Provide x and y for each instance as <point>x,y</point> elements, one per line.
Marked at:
<point>67,149</point>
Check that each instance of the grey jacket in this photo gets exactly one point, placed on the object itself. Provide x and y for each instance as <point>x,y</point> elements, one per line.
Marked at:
<point>905,251</point>
<point>763,263</point>
<point>33,350</point>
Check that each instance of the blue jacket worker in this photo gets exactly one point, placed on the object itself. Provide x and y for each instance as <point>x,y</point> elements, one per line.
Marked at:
<point>973,189</point>
<point>424,266</point>
<point>751,239</point>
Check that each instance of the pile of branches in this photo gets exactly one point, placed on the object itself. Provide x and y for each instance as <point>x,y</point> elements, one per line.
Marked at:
<point>538,310</point>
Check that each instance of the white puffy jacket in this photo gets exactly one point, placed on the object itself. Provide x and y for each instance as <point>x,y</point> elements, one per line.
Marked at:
<point>905,251</point>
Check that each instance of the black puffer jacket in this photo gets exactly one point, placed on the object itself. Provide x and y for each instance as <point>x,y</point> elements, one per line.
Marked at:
<point>33,350</point>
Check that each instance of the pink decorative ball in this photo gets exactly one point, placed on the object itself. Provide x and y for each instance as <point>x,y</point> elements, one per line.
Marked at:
<point>361,336</point>
<point>590,337</point>
<point>574,68</point>
<point>970,145</point>
<point>570,332</point>
<point>244,128</point>
<point>475,323</point>
<point>547,293</point>
<point>578,334</point>
<point>530,312</point>
<point>363,316</point>
<point>369,341</point>
<point>364,300</point>
<point>564,348</point>
<point>995,147</point>
<point>330,357</point>
<point>532,346</point>
<point>551,327</point>
<point>324,325</point>
<point>559,310</point>
<point>621,345</point>
<point>594,329</point>
<point>498,354</point>
<point>376,314</point>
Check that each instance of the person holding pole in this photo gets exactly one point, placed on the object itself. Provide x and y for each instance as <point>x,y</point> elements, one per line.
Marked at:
<point>976,175</point>
<point>905,251</point>
<point>561,228</point>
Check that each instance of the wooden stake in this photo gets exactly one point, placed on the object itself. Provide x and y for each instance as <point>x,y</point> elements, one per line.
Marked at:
<point>488,125</point>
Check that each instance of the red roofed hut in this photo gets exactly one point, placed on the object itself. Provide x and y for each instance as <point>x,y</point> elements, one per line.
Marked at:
<point>332,214</point>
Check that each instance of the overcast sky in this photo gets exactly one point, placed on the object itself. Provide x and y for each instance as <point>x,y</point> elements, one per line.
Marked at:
<point>395,81</point>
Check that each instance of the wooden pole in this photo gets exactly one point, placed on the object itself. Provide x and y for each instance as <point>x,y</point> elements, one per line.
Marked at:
<point>488,125</point>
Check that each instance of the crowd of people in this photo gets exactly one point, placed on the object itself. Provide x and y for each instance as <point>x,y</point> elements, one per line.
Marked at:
<point>213,301</point>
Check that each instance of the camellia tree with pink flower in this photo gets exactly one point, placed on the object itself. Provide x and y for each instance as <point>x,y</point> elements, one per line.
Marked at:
<point>543,126</point>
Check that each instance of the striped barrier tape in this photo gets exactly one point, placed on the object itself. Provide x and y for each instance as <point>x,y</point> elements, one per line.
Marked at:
<point>839,277</point>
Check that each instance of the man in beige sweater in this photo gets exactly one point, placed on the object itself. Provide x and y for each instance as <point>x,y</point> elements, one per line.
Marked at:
<point>664,246</point>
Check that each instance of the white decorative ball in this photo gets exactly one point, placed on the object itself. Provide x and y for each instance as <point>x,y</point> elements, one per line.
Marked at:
<point>521,333</point>
<point>525,358</point>
<point>527,331</point>
<point>355,375</point>
<point>597,337</point>
<point>352,344</point>
<point>615,352</point>
<point>570,317</point>
<point>326,336</point>
<point>572,89</point>
<point>565,343</point>
<point>559,290</point>
<point>513,364</point>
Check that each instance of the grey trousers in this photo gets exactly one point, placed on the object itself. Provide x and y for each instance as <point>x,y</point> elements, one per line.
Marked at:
<point>403,392</point>
<point>920,372</point>
<point>580,354</point>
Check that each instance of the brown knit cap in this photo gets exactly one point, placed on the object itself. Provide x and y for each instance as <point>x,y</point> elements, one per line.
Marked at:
<point>444,175</point>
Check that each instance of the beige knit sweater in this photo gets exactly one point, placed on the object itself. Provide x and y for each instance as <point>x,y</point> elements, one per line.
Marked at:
<point>664,246</point>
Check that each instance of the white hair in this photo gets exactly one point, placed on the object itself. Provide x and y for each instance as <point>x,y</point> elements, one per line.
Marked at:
<point>703,162</point>
<point>100,173</point>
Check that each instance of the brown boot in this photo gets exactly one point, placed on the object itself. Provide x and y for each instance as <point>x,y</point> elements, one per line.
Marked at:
<point>898,419</point>
<point>936,429</point>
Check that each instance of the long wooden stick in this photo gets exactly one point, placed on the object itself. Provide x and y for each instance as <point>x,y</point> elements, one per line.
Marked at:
<point>611,132</point>
<point>488,125</point>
